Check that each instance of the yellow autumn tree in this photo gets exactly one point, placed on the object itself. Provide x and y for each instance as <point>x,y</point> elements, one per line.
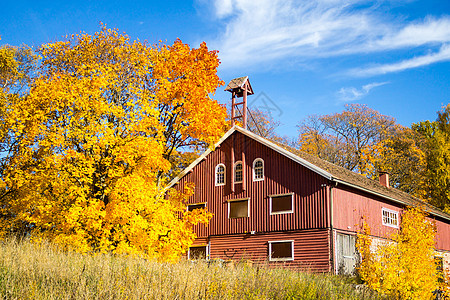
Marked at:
<point>400,155</point>
<point>17,66</point>
<point>403,268</point>
<point>94,136</point>
<point>435,142</point>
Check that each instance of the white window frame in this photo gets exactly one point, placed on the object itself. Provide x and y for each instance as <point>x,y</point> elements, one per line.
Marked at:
<point>284,258</point>
<point>389,211</point>
<point>242,172</point>
<point>208,246</point>
<point>224,175</point>
<point>284,211</point>
<point>236,200</point>
<point>253,169</point>
<point>200,203</point>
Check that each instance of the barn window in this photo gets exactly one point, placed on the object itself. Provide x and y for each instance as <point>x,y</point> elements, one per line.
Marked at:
<point>281,250</point>
<point>389,217</point>
<point>238,172</point>
<point>238,208</point>
<point>198,252</point>
<point>220,174</point>
<point>281,204</point>
<point>258,169</point>
<point>191,207</point>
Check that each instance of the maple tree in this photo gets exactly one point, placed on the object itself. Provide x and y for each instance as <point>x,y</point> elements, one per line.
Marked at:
<point>405,267</point>
<point>97,128</point>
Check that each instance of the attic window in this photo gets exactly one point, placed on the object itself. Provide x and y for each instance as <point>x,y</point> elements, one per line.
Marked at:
<point>281,204</point>
<point>238,172</point>
<point>389,217</point>
<point>220,174</point>
<point>281,250</point>
<point>258,169</point>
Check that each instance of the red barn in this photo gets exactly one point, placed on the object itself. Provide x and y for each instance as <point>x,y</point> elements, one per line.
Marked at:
<point>284,206</point>
<point>275,204</point>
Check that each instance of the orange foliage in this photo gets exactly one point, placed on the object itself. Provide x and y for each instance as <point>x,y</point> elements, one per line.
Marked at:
<point>95,134</point>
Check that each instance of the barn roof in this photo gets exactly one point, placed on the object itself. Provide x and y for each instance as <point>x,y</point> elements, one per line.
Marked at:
<point>326,169</point>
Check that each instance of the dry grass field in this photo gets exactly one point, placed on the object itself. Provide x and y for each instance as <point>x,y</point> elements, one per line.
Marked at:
<point>30,271</point>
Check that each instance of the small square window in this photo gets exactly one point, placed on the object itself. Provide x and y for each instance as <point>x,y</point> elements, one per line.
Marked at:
<point>238,209</point>
<point>281,250</point>
<point>389,217</point>
<point>281,204</point>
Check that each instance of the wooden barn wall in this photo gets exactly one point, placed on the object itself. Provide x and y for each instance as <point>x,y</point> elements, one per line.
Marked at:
<point>282,175</point>
<point>442,235</point>
<point>311,248</point>
<point>350,205</point>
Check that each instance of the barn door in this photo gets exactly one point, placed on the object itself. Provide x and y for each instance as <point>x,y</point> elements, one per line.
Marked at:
<point>345,253</point>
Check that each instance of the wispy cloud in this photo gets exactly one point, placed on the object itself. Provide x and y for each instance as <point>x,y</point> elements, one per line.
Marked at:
<point>271,30</point>
<point>349,94</point>
<point>442,55</point>
<point>429,31</point>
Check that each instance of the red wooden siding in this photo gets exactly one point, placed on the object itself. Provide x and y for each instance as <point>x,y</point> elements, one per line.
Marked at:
<point>282,175</point>
<point>350,205</point>
<point>442,236</point>
<point>311,248</point>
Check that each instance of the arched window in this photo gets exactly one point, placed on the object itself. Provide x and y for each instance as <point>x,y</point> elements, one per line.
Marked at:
<point>220,174</point>
<point>258,169</point>
<point>238,172</point>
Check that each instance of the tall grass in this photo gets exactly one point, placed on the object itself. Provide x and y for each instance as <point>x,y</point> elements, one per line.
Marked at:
<point>30,271</point>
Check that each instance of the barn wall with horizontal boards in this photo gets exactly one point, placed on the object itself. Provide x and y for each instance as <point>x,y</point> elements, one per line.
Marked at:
<point>282,175</point>
<point>311,248</point>
<point>350,206</point>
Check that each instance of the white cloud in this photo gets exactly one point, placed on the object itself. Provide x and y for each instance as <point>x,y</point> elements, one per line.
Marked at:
<point>427,32</point>
<point>442,55</point>
<point>267,31</point>
<point>223,8</point>
<point>349,94</point>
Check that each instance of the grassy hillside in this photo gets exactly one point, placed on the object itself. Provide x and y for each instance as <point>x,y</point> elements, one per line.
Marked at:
<point>29,271</point>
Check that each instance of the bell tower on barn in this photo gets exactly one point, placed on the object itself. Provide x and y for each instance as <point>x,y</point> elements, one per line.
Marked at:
<point>239,88</point>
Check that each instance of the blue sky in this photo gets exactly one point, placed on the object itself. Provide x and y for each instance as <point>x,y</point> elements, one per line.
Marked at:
<point>302,57</point>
